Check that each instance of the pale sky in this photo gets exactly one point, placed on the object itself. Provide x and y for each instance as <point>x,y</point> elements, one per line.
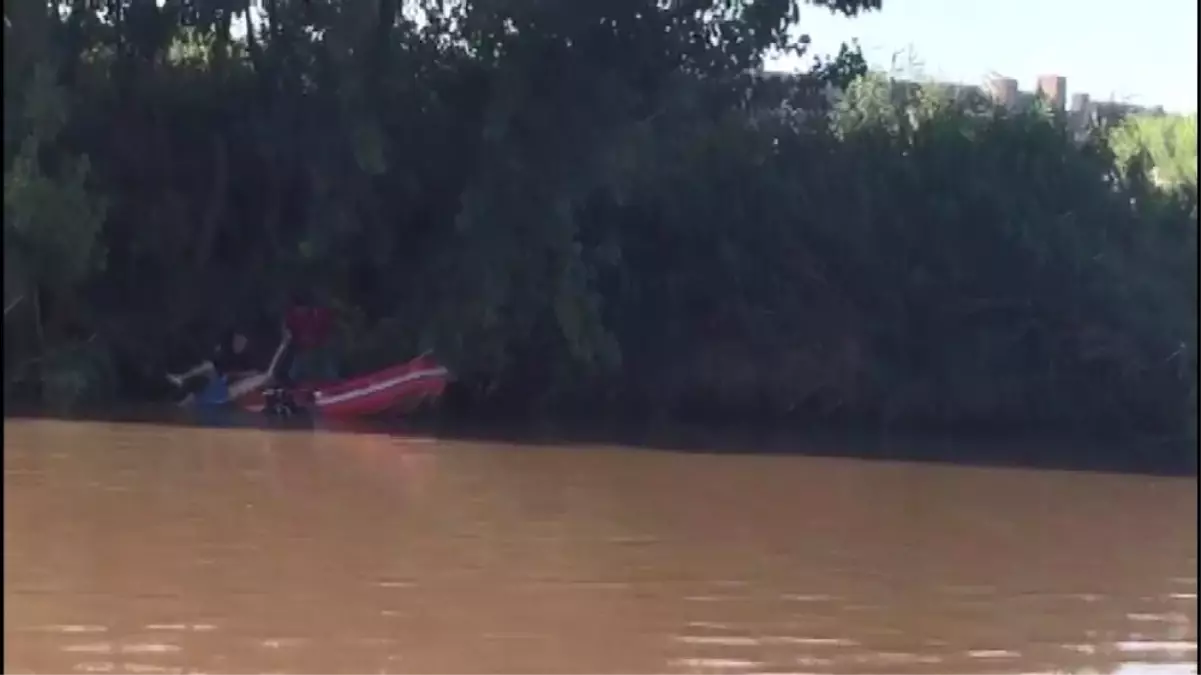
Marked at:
<point>1141,52</point>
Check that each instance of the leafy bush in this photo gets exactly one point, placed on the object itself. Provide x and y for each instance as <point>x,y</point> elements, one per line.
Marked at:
<point>598,204</point>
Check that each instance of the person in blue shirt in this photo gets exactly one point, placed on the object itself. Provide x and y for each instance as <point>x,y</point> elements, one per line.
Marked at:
<point>231,372</point>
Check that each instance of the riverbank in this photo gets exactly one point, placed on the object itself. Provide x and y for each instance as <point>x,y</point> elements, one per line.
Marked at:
<point>1083,451</point>
<point>683,240</point>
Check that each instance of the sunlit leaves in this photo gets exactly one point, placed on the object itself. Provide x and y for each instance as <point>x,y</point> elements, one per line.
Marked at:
<point>51,222</point>
<point>1170,145</point>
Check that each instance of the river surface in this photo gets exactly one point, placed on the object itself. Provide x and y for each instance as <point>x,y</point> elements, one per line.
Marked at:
<point>152,548</point>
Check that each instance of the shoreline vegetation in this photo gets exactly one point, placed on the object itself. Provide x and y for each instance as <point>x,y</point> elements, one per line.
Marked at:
<point>593,208</point>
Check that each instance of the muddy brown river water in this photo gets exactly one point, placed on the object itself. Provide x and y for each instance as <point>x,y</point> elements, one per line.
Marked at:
<point>152,548</point>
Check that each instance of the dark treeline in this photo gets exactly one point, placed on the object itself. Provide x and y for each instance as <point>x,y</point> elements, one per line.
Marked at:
<point>579,205</point>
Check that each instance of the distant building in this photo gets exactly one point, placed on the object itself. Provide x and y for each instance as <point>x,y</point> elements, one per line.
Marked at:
<point>1003,91</point>
<point>1054,89</point>
<point>1081,115</point>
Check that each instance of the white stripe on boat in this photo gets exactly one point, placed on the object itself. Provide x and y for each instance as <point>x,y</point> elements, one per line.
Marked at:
<point>323,400</point>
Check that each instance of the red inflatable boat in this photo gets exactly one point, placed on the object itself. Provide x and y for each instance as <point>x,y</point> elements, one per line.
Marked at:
<point>401,386</point>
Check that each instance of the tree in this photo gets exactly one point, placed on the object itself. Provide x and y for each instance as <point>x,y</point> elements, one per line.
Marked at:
<point>599,204</point>
<point>1168,144</point>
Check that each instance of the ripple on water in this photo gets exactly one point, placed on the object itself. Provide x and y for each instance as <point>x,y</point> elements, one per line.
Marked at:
<point>707,665</point>
<point>1172,647</point>
<point>894,659</point>
<point>721,640</point>
<point>1136,668</point>
<point>992,654</point>
<point>808,597</point>
<point>95,667</point>
<point>182,627</point>
<point>72,628</point>
<point>282,643</point>
<point>111,648</point>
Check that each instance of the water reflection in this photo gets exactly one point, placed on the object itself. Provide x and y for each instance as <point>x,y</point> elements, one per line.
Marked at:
<point>135,548</point>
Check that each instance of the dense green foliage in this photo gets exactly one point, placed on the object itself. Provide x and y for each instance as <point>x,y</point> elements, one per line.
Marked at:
<point>1164,144</point>
<point>578,204</point>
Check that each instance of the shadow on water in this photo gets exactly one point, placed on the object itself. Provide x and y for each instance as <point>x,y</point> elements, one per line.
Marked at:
<point>1146,456</point>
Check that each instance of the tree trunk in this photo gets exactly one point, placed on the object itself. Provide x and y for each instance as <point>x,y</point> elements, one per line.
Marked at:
<point>211,224</point>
